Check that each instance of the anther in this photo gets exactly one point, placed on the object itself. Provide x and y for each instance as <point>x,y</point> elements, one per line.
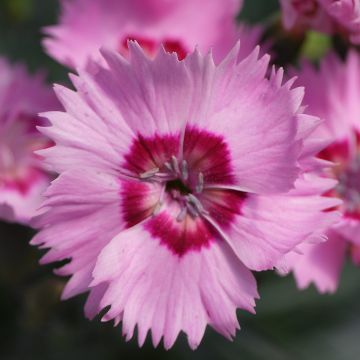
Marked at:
<point>160,202</point>
<point>175,164</point>
<point>149,174</point>
<point>157,208</point>
<point>168,166</point>
<point>184,170</point>
<point>162,195</point>
<point>200,185</point>
<point>181,215</point>
<point>196,203</point>
<point>192,210</point>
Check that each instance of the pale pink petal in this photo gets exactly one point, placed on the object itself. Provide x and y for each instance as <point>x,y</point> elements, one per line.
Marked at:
<point>261,235</point>
<point>88,128</point>
<point>349,229</point>
<point>259,166</point>
<point>24,205</point>
<point>6,212</point>
<point>333,97</point>
<point>250,37</point>
<point>347,14</point>
<point>306,13</point>
<point>205,287</point>
<point>87,25</point>
<point>21,92</point>
<point>92,306</point>
<point>143,92</point>
<point>90,217</point>
<point>88,202</point>
<point>320,264</point>
<point>329,16</point>
<point>23,177</point>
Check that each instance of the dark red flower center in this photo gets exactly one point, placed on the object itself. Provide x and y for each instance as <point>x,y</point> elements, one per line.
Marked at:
<point>151,46</point>
<point>180,189</point>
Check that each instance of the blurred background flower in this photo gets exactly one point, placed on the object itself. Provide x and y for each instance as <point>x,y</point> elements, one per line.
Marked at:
<point>35,325</point>
<point>23,176</point>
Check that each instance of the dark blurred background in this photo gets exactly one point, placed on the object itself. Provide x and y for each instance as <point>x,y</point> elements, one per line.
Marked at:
<point>35,324</point>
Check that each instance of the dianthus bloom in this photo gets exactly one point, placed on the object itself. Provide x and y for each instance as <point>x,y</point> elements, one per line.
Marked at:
<point>333,94</point>
<point>22,178</point>
<point>179,25</point>
<point>329,16</point>
<point>176,179</point>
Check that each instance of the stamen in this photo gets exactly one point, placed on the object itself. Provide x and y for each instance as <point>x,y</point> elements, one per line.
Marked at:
<point>192,210</point>
<point>184,170</point>
<point>157,208</point>
<point>181,215</point>
<point>149,174</point>
<point>168,166</point>
<point>200,185</point>
<point>172,179</point>
<point>162,195</point>
<point>197,204</point>
<point>175,164</point>
<point>160,202</point>
<point>164,176</point>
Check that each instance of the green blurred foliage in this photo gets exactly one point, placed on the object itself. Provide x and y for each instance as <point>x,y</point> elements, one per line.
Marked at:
<point>255,11</point>
<point>316,45</point>
<point>36,325</point>
<point>21,22</point>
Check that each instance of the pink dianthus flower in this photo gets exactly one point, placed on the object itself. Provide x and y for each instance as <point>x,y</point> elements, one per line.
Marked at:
<point>178,25</point>
<point>329,16</point>
<point>22,177</point>
<point>177,178</point>
<point>332,93</point>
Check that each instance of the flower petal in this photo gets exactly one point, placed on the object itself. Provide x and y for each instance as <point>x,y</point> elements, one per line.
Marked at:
<point>88,129</point>
<point>85,26</point>
<point>172,293</point>
<point>270,226</point>
<point>23,205</point>
<point>255,116</point>
<point>320,264</point>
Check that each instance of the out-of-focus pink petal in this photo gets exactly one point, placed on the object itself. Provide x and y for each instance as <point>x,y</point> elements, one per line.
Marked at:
<point>320,264</point>
<point>180,25</point>
<point>22,176</point>
<point>329,16</point>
